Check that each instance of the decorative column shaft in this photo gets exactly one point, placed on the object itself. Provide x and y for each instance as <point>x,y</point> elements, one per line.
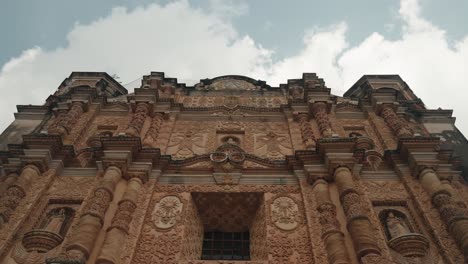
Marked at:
<point>7,182</point>
<point>90,223</point>
<point>138,119</point>
<point>358,223</point>
<point>331,233</point>
<point>65,121</point>
<point>16,192</point>
<point>118,231</point>
<point>307,134</point>
<point>398,126</point>
<point>153,131</point>
<point>319,110</point>
<point>454,216</point>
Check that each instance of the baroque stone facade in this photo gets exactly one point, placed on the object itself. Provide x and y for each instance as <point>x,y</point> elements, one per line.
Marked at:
<point>232,170</point>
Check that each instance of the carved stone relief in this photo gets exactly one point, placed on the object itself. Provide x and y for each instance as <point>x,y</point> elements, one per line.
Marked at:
<point>285,213</point>
<point>167,212</point>
<point>188,139</point>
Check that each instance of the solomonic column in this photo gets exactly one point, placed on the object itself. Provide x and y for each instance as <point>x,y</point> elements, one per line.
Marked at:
<point>307,134</point>
<point>153,131</point>
<point>331,233</point>
<point>118,231</point>
<point>357,215</point>
<point>65,121</point>
<point>454,216</point>
<point>16,192</point>
<point>399,127</point>
<point>319,110</point>
<point>83,238</point>
<point>138,119</point>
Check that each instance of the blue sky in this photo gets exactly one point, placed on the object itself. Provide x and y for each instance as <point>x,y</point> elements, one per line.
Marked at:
<point>424,41</point>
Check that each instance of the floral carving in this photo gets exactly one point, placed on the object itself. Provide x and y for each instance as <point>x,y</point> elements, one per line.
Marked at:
<point>167,212</point>
<point>285,213</point>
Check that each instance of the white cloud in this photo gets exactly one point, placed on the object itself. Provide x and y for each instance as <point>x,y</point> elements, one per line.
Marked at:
<point>191,44</point>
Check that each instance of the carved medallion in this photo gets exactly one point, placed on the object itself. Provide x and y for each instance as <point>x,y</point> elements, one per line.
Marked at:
<point>285,213</point>
<point>167,212</point>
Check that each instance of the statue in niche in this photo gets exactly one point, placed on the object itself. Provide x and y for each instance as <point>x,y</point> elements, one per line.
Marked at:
<point>396,226</point>
<point>56,221</point>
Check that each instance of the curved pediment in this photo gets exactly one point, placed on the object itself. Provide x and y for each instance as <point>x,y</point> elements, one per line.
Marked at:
<point>231,82</point>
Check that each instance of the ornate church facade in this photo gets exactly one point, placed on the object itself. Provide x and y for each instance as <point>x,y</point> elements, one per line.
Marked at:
<point>232,170</point>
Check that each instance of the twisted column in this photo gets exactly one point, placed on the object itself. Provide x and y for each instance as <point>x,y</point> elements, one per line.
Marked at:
<point>454,216</point>
<point>307,134</point>
<point>91,220</point>
<point>138,119</point>
<point>16,192</point>
<point>331,233</point>
<point>118,231</point>
<point>399,127</point>
<point>319,110</point>
<point>153,131</point>
<point>65,121</point>
<point>358,223</point>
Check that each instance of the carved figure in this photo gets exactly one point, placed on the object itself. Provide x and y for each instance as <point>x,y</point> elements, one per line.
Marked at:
<point>56,221</point>
<point>396,226</point>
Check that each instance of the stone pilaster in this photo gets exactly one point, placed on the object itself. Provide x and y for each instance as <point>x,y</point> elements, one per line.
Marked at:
<point>118,231</point>
<point>453,215</point>
<point>331,233</point>
<point>357,214</point>
<point>319,110</point>
<point>307,134</point>
<point>83,238</point>
<point>138,119</point>
<point>16,192</point>
<point>399,127</point>
<point>153,131</point>
<point>65,121</point>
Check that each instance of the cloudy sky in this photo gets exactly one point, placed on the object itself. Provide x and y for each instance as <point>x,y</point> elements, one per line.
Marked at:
<point>424,41</point>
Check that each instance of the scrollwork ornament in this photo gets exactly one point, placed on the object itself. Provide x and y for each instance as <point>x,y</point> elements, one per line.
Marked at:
<point>167,212</point>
